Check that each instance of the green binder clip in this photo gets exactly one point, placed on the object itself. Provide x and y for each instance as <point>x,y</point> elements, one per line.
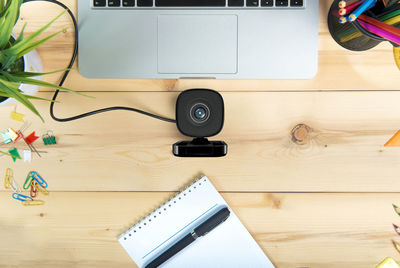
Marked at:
<point>49,138</point>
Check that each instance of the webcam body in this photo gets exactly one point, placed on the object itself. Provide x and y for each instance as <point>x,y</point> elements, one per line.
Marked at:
<point>200,114</point>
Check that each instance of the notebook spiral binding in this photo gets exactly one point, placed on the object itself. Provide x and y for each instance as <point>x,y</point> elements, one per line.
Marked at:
<point>163,207</point>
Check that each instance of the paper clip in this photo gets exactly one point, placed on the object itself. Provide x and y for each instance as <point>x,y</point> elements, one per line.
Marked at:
<point>33,203</point>
<point>7,179</point>
<point>21,197</point>
<point>40,189</point>
<point>49,138</point>
<point>39,179</point>
<point>28,181</point>
<point>34,190</point>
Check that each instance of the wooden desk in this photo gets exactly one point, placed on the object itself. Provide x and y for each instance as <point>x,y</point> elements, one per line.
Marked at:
<point>326,202</point>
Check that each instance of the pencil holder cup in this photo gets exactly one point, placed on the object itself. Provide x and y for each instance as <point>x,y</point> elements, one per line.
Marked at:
<point>347,35</point>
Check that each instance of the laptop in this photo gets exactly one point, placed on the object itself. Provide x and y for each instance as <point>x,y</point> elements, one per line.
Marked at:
<point>223,39</point>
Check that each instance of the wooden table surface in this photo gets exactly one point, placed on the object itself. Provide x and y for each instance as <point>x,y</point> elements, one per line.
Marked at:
<point>323,202</point>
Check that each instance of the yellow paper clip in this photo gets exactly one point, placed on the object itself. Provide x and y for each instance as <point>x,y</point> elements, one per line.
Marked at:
<point>40,189</point>
<point>33,203</point>
<point>7,179</point>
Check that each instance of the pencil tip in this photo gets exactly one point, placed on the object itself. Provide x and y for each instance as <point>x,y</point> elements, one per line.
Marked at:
<point>395,226</point>
<point>394,206</point>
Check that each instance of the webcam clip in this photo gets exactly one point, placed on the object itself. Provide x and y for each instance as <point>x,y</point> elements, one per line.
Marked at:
<point>200,147</point>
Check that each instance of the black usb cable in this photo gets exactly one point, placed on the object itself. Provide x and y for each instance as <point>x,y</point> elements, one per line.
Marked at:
<point>66,73</point>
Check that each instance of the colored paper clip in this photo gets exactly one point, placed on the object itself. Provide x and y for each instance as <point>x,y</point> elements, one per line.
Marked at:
<point>9,182</point>
<point>34,190</point>
<point>40,189</point>
<point>49,138</point>
<point>8,177</point>
<point>33,203</point>
<point>28,181</point>
<point>21,197</point>
<point>39,179</point>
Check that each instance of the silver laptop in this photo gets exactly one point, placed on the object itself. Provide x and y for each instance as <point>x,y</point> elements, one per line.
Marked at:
<point>227,39</point>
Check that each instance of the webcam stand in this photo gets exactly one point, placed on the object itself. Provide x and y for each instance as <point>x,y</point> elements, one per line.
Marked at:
<point>200,147</point>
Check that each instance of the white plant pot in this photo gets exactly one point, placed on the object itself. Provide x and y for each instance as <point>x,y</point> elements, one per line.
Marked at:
<point>32,63</point>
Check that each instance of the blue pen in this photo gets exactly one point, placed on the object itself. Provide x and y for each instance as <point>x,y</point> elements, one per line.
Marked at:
<point>361,9</point>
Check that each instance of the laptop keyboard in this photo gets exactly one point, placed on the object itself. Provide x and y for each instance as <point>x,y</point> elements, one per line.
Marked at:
<point>198,3</point>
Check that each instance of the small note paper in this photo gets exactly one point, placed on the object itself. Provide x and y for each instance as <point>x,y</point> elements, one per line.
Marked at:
<point>27,156</point>
<point>17,117</point>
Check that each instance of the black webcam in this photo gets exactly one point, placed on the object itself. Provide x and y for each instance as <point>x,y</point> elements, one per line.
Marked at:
<point>200,114</point>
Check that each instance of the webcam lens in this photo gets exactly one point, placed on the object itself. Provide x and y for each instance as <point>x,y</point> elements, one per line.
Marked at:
<point>200,113</point>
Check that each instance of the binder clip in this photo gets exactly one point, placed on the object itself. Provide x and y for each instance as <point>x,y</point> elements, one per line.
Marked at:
<point>49,138</point>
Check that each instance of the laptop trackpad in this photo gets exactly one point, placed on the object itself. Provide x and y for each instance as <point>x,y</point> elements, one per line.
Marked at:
<point>197,44</point>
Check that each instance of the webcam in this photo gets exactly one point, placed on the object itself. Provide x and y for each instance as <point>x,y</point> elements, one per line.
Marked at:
<point>200,114</point>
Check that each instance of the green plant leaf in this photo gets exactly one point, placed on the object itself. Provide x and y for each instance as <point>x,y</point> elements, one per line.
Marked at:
<point>38,43</point>
<point>30,74</point>
<point>1,5</point>
<point>12,88</point>
<point>21,34</point>
<point>27,41</point>
<point>7,25</point>
<point>49,85</point>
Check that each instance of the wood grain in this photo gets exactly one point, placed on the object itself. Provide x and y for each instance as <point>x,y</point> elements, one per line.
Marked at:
<point>295,230</point>
<point>122,151</point>
<point>339,69</point>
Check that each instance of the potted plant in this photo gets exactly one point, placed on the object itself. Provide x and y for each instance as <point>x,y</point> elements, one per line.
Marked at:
<point>20,65</point>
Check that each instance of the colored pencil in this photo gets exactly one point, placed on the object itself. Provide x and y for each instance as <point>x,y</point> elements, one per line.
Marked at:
<point>367,4</point>
<point>348,9</point>
<point>382,33</point>
<point>379,24</point>
<point>352,33</point>
<point>342,20</point>
<point>343,4</point>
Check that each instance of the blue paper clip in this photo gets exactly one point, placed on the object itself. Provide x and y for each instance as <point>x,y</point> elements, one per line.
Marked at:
<point>21,197</point>
<point>38,179</point>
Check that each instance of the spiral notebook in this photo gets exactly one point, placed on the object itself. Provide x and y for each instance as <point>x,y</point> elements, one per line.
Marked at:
<point>228,245</point>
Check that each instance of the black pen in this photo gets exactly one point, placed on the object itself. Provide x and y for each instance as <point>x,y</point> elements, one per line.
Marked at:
<point>207,226</point>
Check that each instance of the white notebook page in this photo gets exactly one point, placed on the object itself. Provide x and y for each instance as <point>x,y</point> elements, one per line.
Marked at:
<point>228,245</point>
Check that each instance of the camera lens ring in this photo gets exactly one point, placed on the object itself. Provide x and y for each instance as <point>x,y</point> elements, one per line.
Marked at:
<point>199,113</point>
